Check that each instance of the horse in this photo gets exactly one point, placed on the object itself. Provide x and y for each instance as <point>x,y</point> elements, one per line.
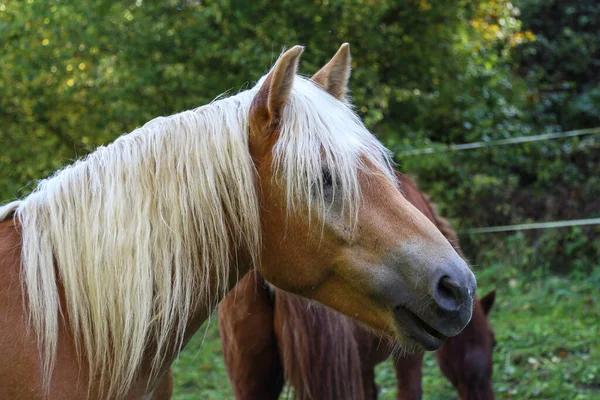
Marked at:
<point>326,356</point>
<point>111,264</point>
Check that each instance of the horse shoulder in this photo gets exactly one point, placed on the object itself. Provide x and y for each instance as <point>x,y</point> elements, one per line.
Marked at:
<point>19,354</point>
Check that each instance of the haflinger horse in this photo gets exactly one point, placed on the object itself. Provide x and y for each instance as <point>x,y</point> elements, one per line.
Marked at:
<point>270,336</point>
<point>111,264</point>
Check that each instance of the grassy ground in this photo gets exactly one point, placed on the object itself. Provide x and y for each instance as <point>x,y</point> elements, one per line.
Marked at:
<point>547,329</point>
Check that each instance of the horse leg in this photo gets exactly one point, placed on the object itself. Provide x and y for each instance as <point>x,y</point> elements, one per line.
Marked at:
<point>409,374</point>
<point>371,389</point>
<point>249,344</point>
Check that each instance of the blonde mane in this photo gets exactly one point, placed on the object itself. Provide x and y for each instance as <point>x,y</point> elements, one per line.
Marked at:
<point>135,231</point>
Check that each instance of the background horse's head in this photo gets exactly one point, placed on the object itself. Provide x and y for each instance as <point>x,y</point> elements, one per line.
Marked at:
<point>335,227</point>
<point>466,360</point>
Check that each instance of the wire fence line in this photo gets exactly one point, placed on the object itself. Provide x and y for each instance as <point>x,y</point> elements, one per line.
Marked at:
<point>506,142</point>
<point>500,142</point>
<point>534,225</point>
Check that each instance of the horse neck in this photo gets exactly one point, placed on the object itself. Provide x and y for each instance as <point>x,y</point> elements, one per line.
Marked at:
<point>320,355</point>
<point>422,202</point>
<point>203,311</point>
<point>415,197</point>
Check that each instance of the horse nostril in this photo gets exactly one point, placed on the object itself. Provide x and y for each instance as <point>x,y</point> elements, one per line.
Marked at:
<point>448,294</point>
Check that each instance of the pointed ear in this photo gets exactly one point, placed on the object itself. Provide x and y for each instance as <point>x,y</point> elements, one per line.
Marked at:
<point>267,105</point>
<point>487,302</point>
<point>333,77</point>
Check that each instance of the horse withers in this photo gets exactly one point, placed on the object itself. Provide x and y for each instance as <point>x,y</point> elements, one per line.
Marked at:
<point>324,355</point>
<point>111,264</point>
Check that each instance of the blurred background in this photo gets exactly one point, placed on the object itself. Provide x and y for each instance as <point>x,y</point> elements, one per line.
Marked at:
<point>427,75</point>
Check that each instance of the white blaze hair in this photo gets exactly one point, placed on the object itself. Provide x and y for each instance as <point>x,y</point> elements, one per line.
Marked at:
<point>136,230</point>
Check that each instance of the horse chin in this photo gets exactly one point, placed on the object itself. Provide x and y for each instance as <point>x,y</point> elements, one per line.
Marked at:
<point>416,332</point>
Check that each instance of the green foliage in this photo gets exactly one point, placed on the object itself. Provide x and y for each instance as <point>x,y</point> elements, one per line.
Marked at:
<point>557,90</point>
<point>564,60</point>
<point>199,372</point>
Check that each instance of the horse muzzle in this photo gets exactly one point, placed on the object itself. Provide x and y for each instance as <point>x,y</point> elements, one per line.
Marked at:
<point>438,309</point>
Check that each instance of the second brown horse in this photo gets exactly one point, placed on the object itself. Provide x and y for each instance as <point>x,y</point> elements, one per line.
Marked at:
<point>270,336</point>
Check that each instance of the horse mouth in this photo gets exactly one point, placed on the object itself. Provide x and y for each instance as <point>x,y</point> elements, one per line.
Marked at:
<point>418,330</point>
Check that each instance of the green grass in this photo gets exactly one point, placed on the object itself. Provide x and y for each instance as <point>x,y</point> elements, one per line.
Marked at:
<point>547,329</point>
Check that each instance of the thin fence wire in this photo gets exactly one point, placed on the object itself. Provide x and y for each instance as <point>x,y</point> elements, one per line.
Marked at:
<point>500,142</point>
<point>535,225</point>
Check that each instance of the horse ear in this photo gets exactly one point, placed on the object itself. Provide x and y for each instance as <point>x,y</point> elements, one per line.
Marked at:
<point>333,77</point>
<point>487,302</point>
<point>267,105</point>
